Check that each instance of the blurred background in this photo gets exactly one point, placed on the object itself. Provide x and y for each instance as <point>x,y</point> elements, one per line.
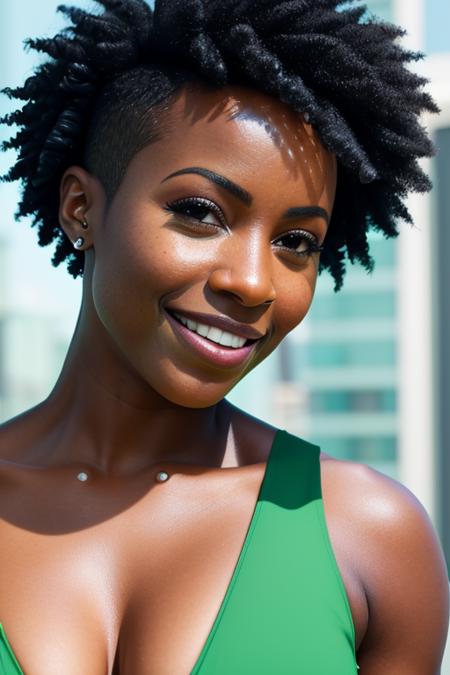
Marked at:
<point>366,375</point>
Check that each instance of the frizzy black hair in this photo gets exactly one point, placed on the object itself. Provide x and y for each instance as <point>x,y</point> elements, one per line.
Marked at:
<point>320,57</point>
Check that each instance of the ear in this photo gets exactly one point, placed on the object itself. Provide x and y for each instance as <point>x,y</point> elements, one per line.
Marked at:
<point>81,201</point>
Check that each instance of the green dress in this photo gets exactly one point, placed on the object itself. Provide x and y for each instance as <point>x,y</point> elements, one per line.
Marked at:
<point>8,662</point>
<point>285,610</point>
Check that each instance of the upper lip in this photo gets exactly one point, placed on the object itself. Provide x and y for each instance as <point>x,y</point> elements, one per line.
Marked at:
<point>222,322</point>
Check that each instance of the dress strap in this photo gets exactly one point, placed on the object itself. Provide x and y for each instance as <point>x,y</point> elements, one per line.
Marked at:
<point>285,610</point>
<point>293,472</point>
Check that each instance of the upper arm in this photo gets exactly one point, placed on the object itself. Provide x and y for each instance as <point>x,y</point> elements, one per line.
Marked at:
<point>406,583</point>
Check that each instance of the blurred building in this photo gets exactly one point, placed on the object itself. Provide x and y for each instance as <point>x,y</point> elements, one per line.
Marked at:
<point>31,352</point>
<point>343,364</point>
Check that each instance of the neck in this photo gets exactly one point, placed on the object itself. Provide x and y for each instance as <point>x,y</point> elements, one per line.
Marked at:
<point>101,413</point>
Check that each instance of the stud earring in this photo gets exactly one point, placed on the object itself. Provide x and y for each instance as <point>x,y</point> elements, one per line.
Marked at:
<point>79,242</point>
<point>84,224</point>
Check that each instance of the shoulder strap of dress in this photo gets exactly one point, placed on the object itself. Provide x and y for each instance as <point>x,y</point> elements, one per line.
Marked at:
<point>293,472</point>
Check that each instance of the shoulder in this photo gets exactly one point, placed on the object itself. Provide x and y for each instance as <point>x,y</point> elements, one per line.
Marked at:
<point>381,500</point>
<point>383,506</point>
<point>400,564</point>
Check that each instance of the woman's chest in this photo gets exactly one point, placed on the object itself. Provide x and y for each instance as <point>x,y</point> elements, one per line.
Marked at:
<point>127,590</point>
<point>138,594</point>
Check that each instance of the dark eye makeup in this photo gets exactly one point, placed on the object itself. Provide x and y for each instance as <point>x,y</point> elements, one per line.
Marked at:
<point>196,208</point>
<point>300,243</point>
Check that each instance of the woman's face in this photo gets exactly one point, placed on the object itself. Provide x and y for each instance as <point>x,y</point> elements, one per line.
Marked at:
<point>197,280</point>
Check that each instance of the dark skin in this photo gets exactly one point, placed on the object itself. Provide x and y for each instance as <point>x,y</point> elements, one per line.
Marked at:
<point>120,569</point>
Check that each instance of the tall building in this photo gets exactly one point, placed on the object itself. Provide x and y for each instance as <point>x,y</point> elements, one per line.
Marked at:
<point>3,277</point>
<point>437,39</point>
<point>31,351</point>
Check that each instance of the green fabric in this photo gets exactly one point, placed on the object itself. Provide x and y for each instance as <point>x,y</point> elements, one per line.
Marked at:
<point>8,662</point>
<point>285,609</point>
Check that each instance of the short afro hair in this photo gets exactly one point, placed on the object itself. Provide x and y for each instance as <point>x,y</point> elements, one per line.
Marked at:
<point>327,59</point>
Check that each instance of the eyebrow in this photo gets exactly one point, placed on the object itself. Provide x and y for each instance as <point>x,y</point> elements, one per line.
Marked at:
<point>245,197</point>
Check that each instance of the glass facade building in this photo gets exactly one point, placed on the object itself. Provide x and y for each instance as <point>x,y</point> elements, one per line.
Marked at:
<point>32,350</point>
<point>442,286</point>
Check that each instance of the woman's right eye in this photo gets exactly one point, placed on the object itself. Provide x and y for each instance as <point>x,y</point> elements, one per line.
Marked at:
<point>198,209</point>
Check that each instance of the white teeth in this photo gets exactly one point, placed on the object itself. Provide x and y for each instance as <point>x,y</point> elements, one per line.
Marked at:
<point>236,341</point>
<point>214,334</point>
<point>201,329</point>
<point>228,340</point>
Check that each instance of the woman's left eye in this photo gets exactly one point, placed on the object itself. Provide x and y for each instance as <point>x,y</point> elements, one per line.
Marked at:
<point>300,242</point>
<point>198,209</point>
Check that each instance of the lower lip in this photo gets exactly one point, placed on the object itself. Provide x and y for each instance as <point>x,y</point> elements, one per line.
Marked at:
<point>220,356</point>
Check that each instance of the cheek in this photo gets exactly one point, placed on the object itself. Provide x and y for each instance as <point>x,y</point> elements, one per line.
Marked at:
<point>295,295</point>
<point>295,304</point>
<point>294,299</point>
<point>125,276</point>
<point>142,265</point>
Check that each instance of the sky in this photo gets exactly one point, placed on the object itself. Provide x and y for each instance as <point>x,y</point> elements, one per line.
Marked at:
<point>32,280</point>
<point>33,284</point>
<point>438,22</point>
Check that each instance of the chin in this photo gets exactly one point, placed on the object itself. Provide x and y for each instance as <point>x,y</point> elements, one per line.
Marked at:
<point>199,397</point>
<point>189,392</point>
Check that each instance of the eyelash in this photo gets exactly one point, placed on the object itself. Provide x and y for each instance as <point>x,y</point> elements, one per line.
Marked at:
<point>186,203</point>
<point>177,207</point>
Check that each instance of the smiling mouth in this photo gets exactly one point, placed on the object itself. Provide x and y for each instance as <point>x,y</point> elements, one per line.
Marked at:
<point>214,335</point>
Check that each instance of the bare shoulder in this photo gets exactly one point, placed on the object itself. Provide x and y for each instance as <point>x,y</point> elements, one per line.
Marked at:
<point>383,506</point>
<point>400,564</point>
<point>380,499</point>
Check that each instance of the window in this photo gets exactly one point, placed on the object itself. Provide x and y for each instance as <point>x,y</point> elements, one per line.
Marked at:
<point>354,305</point>
<point>379,450</point>
<point>371,400</point>
<point>332,354</point>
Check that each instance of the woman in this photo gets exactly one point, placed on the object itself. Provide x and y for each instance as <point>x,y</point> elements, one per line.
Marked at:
<point>199,165</point>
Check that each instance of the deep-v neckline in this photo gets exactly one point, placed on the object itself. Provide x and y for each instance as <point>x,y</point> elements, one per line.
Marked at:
<point>237,567</point>
<point>228,592</point>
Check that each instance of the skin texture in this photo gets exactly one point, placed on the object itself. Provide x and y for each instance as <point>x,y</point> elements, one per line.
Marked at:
<point>120,569</point>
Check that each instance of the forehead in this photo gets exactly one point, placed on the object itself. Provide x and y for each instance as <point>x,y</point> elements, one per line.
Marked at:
<point>196,105</point>
<point>246,134</point>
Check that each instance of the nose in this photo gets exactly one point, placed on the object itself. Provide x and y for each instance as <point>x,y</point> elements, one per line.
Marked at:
<point>244,271</point>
